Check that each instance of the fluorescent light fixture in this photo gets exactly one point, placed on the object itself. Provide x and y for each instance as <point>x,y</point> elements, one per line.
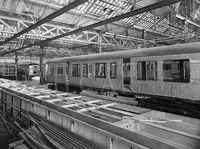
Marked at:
<point>184,18</point>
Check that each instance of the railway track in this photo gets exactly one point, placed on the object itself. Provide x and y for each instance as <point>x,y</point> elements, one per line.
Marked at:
<point>172,107</point>
<point>64,137</point>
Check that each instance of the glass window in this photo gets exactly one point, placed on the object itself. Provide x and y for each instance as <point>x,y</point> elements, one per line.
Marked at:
<point>76,70</point>
<point>67,70</point>
<point>139,70</point>
<point>51,70</point>
<point>10,70</point>
<point>147,70</point>
<point>176,70</point>
<point>60,70</point>
<point>90,70</point>
<point>1,70</point>
<point>151,70</point>
<point>113,70</point>
<point>100,70</point>
<point>85,70</point>
<point>127,71</point>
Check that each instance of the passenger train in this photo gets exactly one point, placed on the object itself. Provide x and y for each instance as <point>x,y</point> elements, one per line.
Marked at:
<point>8,70</point>
<point>167,72</point>
<point>11,71</point>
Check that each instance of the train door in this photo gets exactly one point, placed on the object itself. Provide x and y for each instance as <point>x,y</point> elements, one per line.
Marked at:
<point>126,72</point>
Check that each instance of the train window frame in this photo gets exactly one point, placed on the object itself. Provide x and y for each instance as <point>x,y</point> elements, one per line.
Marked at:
<point>90,71</point>
<point>111,70</point>
<point>99,73</point>
<point>67,70</point>
<point>181,74</point>
<point>51,70</point>
<point>147,70</point>
<point>77,70</point>
<point>10,70</point>
<point>85,70</point>
<point>60,70</point>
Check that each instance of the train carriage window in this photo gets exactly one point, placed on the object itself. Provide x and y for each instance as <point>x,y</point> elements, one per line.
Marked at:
<point>151,73</point>
<point>100,70</point>
<point>139,70</point>
<point>147,70</point>
<point>1,70</point>
<point>67,70</point>
<point>60,70</point>
<point>76,70</point>
<point>10,70</point>
<point>90,70</point>
<point>85,70</point>
<point>113,70</point>
<point>51,70</point>
<point>176,70</point>
<point>6,70</point>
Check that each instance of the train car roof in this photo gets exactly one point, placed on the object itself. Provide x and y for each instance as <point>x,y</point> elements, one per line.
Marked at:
<point>186,48</point>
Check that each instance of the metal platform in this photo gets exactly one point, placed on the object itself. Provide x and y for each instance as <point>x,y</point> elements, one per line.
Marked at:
<point>107,123</point>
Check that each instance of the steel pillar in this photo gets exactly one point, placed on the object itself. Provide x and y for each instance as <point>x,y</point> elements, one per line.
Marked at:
<point>100,42</point>
<point>16,63</point>
<point>42,81</point>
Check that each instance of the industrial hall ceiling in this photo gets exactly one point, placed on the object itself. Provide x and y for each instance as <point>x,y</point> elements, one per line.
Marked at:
<point>75,27</point>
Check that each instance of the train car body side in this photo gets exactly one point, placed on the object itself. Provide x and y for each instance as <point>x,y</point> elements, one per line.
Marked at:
<point>169,72</point>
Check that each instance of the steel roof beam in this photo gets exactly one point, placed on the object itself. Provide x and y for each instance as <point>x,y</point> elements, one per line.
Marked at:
<point>46,19</point>
<point>110,20</point>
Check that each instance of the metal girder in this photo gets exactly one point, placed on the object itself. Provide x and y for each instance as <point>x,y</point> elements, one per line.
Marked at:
<point>119,24</point>
<point>50,52</point>
<point>110,20</point>
<point>49,30</point>
<point>46,19</point>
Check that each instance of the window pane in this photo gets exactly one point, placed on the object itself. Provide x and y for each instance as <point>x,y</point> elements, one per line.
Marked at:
<point>51,70</point>
<point>85,70</point>
<point>90,70</point>
<point>150,70</point>
<point>113,70</point>
<point>139,70</point>
<point>147,70</point>
<point>76,70</point>
<point>100,70</point>
<point>67,70</point>
<point>60,70</point>
<point>176,70</point>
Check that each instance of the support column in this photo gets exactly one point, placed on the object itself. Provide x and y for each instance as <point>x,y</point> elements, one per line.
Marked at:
<point>144,34</point>
<point>100,41</point>
<point>16,64</point>
<point>42,81</point>
<point>186,32</point>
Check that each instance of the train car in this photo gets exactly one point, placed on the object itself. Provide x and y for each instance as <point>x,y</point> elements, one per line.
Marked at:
<point>27,70</point>
<point>168,72</point>
<point>8,71</point>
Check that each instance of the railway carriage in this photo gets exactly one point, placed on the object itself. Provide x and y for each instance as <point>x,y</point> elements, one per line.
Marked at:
<point>169,72</point>
<point>8,71</point>
<point>28,69</point>
<point>11,71</point>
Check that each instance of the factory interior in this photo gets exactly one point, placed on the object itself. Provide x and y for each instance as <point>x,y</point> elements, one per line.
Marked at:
<point>99,74</point>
